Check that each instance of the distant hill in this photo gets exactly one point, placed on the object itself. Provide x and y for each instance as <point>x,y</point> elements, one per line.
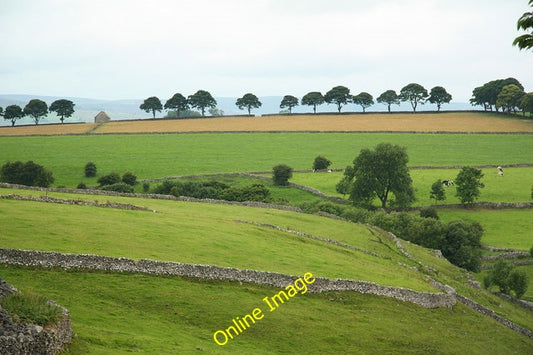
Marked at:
<point>87,108</point>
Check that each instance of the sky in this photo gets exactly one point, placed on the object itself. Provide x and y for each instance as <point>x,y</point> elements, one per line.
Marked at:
<point>131,49</point>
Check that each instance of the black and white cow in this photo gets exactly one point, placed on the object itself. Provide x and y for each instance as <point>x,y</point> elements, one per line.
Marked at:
<point>448,183</point>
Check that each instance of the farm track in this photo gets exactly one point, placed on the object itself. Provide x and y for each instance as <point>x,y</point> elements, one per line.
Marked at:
<point>438,123</point>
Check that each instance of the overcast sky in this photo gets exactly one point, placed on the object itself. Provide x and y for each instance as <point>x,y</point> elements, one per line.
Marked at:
<point>118,49</point>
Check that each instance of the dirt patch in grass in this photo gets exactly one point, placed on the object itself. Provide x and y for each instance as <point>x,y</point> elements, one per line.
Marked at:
<point>47,129</point>
<point>420,122</point>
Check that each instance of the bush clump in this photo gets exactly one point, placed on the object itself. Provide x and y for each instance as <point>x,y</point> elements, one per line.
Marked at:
<point>109,179</point>
<point>29,174</point>
<point>281,174</point>
<point>214,190</point>
<point>31,308</point>
<point>321,163</point>
<point>118,187</point>
<point>129,178</point>
<point>429,213</point>
<point>81,186</point>
<point>507,278</point>
<point>90,169</point>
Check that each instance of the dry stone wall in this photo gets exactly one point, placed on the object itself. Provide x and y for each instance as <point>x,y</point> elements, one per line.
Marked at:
<point>27,338</point>
<point>95,262</point>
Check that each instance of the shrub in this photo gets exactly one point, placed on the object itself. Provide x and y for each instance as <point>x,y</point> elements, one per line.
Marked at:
<point>321,163</point>
<point>531,252</point>
<point>256,192</point>
<point>90,169</point>
<point>82,186</point>
<point>357,215</point>
<point>118,187</point>
<point>437,191</point>
<point>146,187</point>
<point>331,208</point>
<point>29,174</point>
<point>31,308</point>
<point>429,213</point>
<point>461,244</point>
<point>109,179</point>
<point>129,178</point>
<point>518,282</point>
<point>281,174</point>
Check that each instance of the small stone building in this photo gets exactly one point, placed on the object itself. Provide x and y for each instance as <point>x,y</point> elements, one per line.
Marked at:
<point>101,117</point>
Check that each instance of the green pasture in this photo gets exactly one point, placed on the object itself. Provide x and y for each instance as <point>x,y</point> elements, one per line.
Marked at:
<point>118,314</point>
<point>203,233</point>
<point>514,186</point>
<point>161,155</point>
<point>507,228</point>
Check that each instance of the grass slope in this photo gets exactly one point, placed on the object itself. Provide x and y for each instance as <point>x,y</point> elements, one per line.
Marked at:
<point>207,234</point>
<point>116,314</point>
<point>153,155</point>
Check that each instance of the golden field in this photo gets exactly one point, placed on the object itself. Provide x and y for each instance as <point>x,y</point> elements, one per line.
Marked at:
<point>371,122</point>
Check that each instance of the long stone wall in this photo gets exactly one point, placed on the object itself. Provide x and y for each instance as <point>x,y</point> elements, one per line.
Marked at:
<point>27,338</point>
<point>95,262</point>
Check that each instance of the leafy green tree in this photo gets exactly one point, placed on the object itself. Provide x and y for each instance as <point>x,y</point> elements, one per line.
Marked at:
<point>177,102</point>
<point>389,97</point>
<point>518,282</point>
<point>129,178</point>
<point>487,95</point>
<point>526,103</point>
<point>339,95</point>
<point>462,243</point>
<point>509,98</point>
<point>345,185</point>
<point>151,104</point>
<point>248,101</point>
<point>414,93</point>
<point>499,276</point>
<point>321,163</point>
<point>380,172</point>
<point>90,169</point>
<point>13,113</point>
<point>437,191</point>
<point>364,100</point>
<point>289,102</point>
<point>1,111</point>
<point>314,99</point>
<point>201,100</point>
<point>281,174</point>
<point>63,108</point>
<point>29,174</point>
<point>525,22</point>
<point>438,95</point>
<point>36,109</point>
<point>468,183</point>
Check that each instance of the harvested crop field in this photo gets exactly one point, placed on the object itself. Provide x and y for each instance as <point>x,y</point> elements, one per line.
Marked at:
<point>47,129</point>
<point>478,122</point>
<point>420,122</point>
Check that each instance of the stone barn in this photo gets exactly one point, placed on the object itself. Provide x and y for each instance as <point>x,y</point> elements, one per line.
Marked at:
<point>101,117</point>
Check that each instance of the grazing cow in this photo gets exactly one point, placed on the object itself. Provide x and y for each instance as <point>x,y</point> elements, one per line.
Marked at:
<point>448,183</point>
<point>500,171</point>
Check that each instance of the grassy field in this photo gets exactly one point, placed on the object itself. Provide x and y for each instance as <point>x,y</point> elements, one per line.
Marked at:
<point>116,314</point>
<point>514,186</point>
<point>205,234</point>
<point>155,155</point>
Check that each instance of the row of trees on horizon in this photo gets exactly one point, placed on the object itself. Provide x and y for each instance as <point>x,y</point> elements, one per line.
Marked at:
<point>340,96</point>
<point>507,95</point>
